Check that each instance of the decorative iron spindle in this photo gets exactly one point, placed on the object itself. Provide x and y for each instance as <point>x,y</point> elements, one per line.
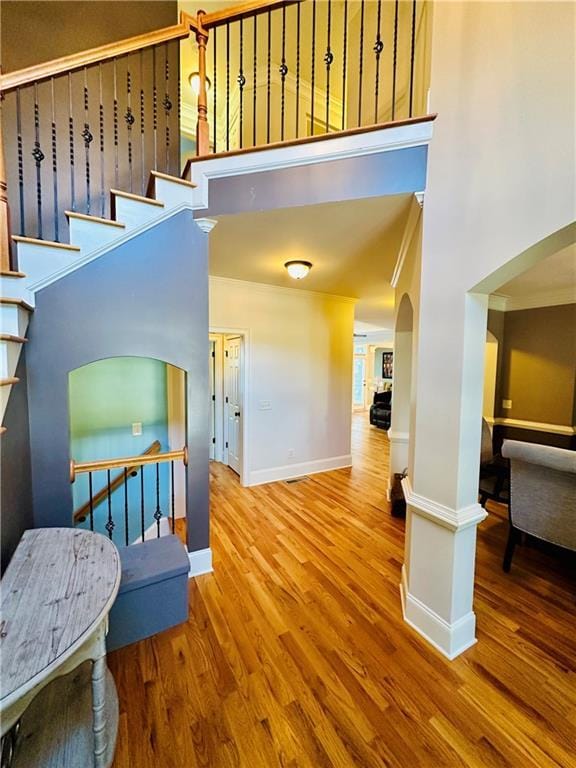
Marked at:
<point>116,151</point>
<point>328,59</point>
<point>254,79</point>
<point>126,534</point>
<point>87,136</point>
<point>173,505</point>
<point>101,141</point>
<point>91,500</point>
<point>344,63</point>
<point>71,145</point>
<point>313,67</point>
<point>38,156</point>
<point>158,511</point>
<point>395,58</point>
<point>56,210</point>
<point>241,79</point>
<point>361,63</point>
<point>129,120</point>
<point>412,56</point>
<point>215,89</point>
<point>378,48</point>
<point>20,161</point>
<point>155,108</point>
<point>110,522</point>
<point>142,528</point>
<point>142,143</point>
<point>167,104</point>
<point>283,73</point>
<point>297,68</point>
<point>269,63</point>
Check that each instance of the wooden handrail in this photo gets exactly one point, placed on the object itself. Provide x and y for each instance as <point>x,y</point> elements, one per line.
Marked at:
<point>94,55</point>
<point>81,513</point>
<point>77,468</point>
<point>246,10</point>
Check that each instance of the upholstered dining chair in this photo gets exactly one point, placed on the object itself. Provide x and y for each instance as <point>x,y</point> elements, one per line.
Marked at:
<point>542,495</point>
<point>494,473</point>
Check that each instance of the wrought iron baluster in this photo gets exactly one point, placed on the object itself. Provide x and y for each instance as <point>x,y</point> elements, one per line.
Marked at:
<point>126,534</point>
<point>344,63</point>
<point>167,104</point>
<point>155,108</point>
<point>254,80</point>
<point>101,137</point>
<point>179,116</point>
<point>227,87</point>
<point>38,156</point>
<point>269,62</point>
<point>361,63</point>
<point>313,66</point>
<point>298,19</point>
<point>87,136</point>
<point>129,119</point>
<point>412,56</point>
<point>91,499</point>
<point>142,150</point>
<point>395,59</point>
<point>20,161</point>
<point>328,59</point>
<point>378,48</point>
<point>110,522</point>
<point>283,73</point>
<point>54,160</point>
<point>241,78</point>
<point>142,501</point>
<point>215,89</point>
<point>71,144</point>
<point>158,511</point>
<point>173,499</point>
<point>116,156</point>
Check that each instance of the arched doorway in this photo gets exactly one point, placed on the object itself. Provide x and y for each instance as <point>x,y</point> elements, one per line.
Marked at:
<point>399,433</point>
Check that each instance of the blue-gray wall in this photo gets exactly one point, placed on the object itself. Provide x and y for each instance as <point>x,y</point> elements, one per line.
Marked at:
<point>147,298</point>
<point>15,477</point>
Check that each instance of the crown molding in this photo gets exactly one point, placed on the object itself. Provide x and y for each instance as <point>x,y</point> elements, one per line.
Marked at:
<point>269,288</point>
<point>409,229</point>
<point>206,225</point>
<point>557,298</point>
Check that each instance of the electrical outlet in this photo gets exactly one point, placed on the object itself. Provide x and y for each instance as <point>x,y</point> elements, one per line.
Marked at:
<point>136,428</point>
<point>507,404</point>
<point>291,453</point>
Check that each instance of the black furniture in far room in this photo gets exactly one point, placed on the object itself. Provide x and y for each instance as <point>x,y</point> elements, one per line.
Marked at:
<point>381,410</point>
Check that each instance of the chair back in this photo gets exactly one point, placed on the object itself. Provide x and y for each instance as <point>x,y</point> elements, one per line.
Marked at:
<point>543,491</point>
<point>486,447</point>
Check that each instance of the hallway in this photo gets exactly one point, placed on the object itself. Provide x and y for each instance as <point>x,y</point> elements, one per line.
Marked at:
<point>295,652</point>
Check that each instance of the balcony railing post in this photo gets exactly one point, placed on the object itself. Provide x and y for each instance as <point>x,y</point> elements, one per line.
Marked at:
<point>4,214</point>
<point>202,127</point>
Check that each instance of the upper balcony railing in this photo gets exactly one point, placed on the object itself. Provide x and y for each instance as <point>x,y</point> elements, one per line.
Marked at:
<point>264,72</point>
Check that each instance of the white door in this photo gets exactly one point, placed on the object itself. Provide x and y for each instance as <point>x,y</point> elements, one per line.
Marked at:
<point>359,383</point>
<point>233,401</point>
<point>212,361</point>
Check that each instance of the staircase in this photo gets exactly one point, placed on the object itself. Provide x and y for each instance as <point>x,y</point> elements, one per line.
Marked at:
<point>41,262</point>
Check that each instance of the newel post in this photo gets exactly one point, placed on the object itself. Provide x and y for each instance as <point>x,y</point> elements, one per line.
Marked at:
<point>4,214</point>
<point>202,128</point>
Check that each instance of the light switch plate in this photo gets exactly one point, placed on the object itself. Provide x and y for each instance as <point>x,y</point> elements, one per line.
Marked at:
<point>136,428</point>
<point>507,404</point>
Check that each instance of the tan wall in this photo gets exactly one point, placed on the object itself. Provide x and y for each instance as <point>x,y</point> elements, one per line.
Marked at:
<point>538,364</point>
<point>34,32</point>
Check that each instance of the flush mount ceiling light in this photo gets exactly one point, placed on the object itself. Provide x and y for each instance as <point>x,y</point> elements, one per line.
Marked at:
<point>194,80</point>
<point>298,269</point>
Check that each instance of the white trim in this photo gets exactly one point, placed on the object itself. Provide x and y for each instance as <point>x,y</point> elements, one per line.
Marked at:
<point>536,426</point>
<point>267,287</point>
<point>449,639</point>
<point>290,471</point>
<point>447,517</point>
<point>200,562</point>
<point>206,225</point>
<point>339,147</point>
<point>533,301</point>
<point>398,437</point>
<point>409,229</point>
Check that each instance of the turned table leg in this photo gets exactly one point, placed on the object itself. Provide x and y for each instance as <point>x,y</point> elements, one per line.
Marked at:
<point>99,711</point>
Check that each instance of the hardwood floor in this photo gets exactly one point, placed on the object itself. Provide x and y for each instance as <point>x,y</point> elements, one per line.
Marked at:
<point>295,652</point>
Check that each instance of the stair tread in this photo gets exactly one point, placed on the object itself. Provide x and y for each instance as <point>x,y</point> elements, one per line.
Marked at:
<point>95,219</point>
<point>19,302</point>
<point>2,430</point>
<point>8,381</point>
<point>139,198</point>
<point>48,243</point>
<point>175,179</point>
<point>11,273</point>
<point>12,337</point>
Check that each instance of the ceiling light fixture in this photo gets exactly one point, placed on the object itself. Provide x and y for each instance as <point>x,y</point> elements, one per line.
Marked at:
<point>298,269</point>
<point>194,80</point>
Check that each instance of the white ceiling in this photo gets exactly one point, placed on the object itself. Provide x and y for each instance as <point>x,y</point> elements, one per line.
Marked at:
<point>556,273</point>
<point>353,246</point>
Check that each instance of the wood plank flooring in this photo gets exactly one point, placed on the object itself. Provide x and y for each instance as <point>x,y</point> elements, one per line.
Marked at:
<point>295,652</point>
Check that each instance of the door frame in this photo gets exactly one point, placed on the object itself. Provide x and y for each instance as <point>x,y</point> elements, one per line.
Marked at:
<point>244,333</point>
<point>219,395</point>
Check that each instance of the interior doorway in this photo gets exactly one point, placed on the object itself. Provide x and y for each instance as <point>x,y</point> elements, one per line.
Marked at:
<point>227,374</point>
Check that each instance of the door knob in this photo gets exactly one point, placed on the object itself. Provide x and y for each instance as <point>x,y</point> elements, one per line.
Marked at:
<point>237,413</point>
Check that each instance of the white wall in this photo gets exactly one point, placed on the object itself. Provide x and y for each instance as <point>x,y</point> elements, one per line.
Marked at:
<point>299,358</point>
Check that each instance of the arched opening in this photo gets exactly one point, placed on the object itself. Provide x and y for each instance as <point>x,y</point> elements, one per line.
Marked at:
<point>127,418</point>
<point>399,433</point>
<point>490,377</point>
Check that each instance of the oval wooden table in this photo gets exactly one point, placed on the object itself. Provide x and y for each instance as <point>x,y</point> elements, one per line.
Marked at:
<point>55,598</point>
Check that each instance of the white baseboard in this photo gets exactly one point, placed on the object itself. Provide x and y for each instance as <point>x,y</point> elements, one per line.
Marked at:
<point>290,471</point>
<point>200,562</point>
<point>450,639</point>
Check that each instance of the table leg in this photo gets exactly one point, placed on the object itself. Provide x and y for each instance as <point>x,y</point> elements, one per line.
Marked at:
<point>99,711</point>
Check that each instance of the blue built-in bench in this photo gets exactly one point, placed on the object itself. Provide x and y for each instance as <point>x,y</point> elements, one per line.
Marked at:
<point>153,593</point>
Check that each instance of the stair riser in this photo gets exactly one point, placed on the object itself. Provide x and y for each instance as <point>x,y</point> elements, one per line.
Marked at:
<point>173,194</point>
<point>134,214</point>
<point>91,235</point>
<point>13,319</point>
<point>15,288</point>
<point>9,355</point>
<point>42,261</point>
